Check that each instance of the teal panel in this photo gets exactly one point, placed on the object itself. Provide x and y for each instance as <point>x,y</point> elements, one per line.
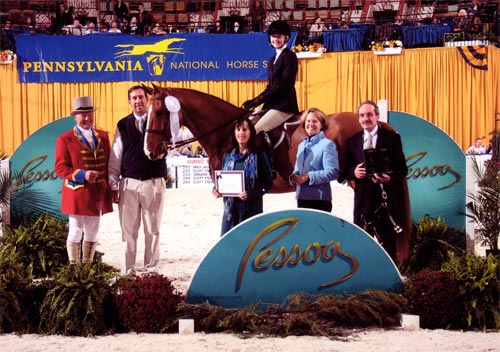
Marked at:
<point>274,255</point>
<point>33,161</point>
<point>436,177</point>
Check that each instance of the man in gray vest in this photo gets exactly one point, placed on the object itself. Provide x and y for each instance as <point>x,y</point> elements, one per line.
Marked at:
<point>137,185</point>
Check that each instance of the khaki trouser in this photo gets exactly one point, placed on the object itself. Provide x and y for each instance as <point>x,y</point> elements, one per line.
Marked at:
<point>271,119</point>
<point>141,200</point>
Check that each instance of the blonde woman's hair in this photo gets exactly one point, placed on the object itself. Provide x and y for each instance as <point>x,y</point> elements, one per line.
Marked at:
<point>320,115</point>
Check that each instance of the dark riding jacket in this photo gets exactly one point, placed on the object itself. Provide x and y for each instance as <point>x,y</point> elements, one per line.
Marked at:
<point>280,91</point>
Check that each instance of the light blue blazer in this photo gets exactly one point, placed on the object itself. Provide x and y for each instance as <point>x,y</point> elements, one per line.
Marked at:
<point>317,156</point>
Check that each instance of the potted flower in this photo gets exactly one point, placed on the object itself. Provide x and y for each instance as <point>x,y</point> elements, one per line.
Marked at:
<point>6,57</point>
<point>387,47</point>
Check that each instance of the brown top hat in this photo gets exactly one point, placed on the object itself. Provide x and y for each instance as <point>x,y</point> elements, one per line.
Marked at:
<point>82,104</point>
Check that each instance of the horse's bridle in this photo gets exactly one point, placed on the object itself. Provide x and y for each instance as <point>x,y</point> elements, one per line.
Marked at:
<point>167,145</point>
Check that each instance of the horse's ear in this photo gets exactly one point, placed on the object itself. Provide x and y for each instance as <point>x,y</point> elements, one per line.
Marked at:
<point>157,89</point>
<point>148,90</point>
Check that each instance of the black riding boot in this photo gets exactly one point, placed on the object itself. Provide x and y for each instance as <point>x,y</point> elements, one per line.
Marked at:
<point>268,148</point>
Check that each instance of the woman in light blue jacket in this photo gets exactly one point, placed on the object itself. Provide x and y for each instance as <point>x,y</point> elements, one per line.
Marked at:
<point>317,163</point>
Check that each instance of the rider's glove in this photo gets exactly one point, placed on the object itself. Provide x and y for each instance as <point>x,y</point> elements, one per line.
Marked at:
<point>249,105</point>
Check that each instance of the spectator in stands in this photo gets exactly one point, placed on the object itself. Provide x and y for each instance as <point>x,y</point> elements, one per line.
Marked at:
<point>132,27</point>
<point>477,148</point>
<point>191,28</point>
<point>336,23</point>
<point>121,11</point>
<point>60,19</point>
<point>158,29</point>
<point>28,26</point>
<point>476,27</point>
<point>73,29</point>
<point>144,20</point>
<point>257,16</point>
<point>474,5</point>
<point>316,31</point>
<point>346,23</point>
<point>90,29</point>
<point>218,29</point>
<point>7,37</point>
<point>435,20</point>
<point>171,28</point>
<point>69,18</point>
<point>44,26</point>
<point>397,29</point>
<point>470,17</point>
<point>460,21</point>
<point>236,28</point>
<point>124,25</point>
<point>114,28</point>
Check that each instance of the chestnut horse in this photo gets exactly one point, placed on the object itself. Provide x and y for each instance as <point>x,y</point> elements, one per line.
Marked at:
<point>211,121</point>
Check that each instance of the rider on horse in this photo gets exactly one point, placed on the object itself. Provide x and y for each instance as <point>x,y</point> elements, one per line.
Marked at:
<point>279,97</point>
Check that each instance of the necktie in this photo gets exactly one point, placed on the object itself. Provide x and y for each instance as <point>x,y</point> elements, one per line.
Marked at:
<point>368,142</point>
<point>140,124</point>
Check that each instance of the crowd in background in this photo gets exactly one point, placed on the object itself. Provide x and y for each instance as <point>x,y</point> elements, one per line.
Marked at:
<point>473,21</point>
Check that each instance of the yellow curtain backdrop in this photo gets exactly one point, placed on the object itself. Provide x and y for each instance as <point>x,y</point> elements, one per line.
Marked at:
<point>435,84</point>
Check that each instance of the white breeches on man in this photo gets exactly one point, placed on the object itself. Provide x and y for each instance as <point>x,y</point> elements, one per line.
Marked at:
<point>89,227</point>
<point>141,200</point>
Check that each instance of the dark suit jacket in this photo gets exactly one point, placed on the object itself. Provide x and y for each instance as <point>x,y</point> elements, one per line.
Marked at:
<point>240,31</point>
<point>280,91</point>
<point>367,195</point>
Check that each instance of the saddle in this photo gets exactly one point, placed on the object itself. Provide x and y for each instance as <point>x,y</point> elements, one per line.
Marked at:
<point>278,135</point>
<point>273,139</point>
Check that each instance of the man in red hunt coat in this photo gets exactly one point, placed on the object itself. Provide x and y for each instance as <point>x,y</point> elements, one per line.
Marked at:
<point>81,160</point>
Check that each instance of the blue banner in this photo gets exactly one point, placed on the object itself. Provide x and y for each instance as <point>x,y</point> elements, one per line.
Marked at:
<point>116,57</point>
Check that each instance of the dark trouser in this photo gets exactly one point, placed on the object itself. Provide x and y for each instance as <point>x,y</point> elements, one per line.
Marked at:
<point>383,230</point>
<point>325,205</point>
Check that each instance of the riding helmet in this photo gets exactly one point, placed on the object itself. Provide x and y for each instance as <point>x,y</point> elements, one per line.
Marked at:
<point>279,27</point>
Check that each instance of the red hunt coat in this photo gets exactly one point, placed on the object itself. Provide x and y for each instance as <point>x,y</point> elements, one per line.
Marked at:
<point>74,157</point>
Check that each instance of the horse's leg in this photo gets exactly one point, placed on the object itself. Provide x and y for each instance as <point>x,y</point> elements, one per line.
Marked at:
<point>284,168</point>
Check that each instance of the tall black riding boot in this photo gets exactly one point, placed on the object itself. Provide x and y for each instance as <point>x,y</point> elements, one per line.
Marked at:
<point>268,148</point>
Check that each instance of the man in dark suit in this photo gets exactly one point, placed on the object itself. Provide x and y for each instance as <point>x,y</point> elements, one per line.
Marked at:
<point>144,20</point>
<point>369,190</point>
<point>236,29</point>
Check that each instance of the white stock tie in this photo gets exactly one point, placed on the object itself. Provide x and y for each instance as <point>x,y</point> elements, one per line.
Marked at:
<point>368,142</point>
<point>89,137</point>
